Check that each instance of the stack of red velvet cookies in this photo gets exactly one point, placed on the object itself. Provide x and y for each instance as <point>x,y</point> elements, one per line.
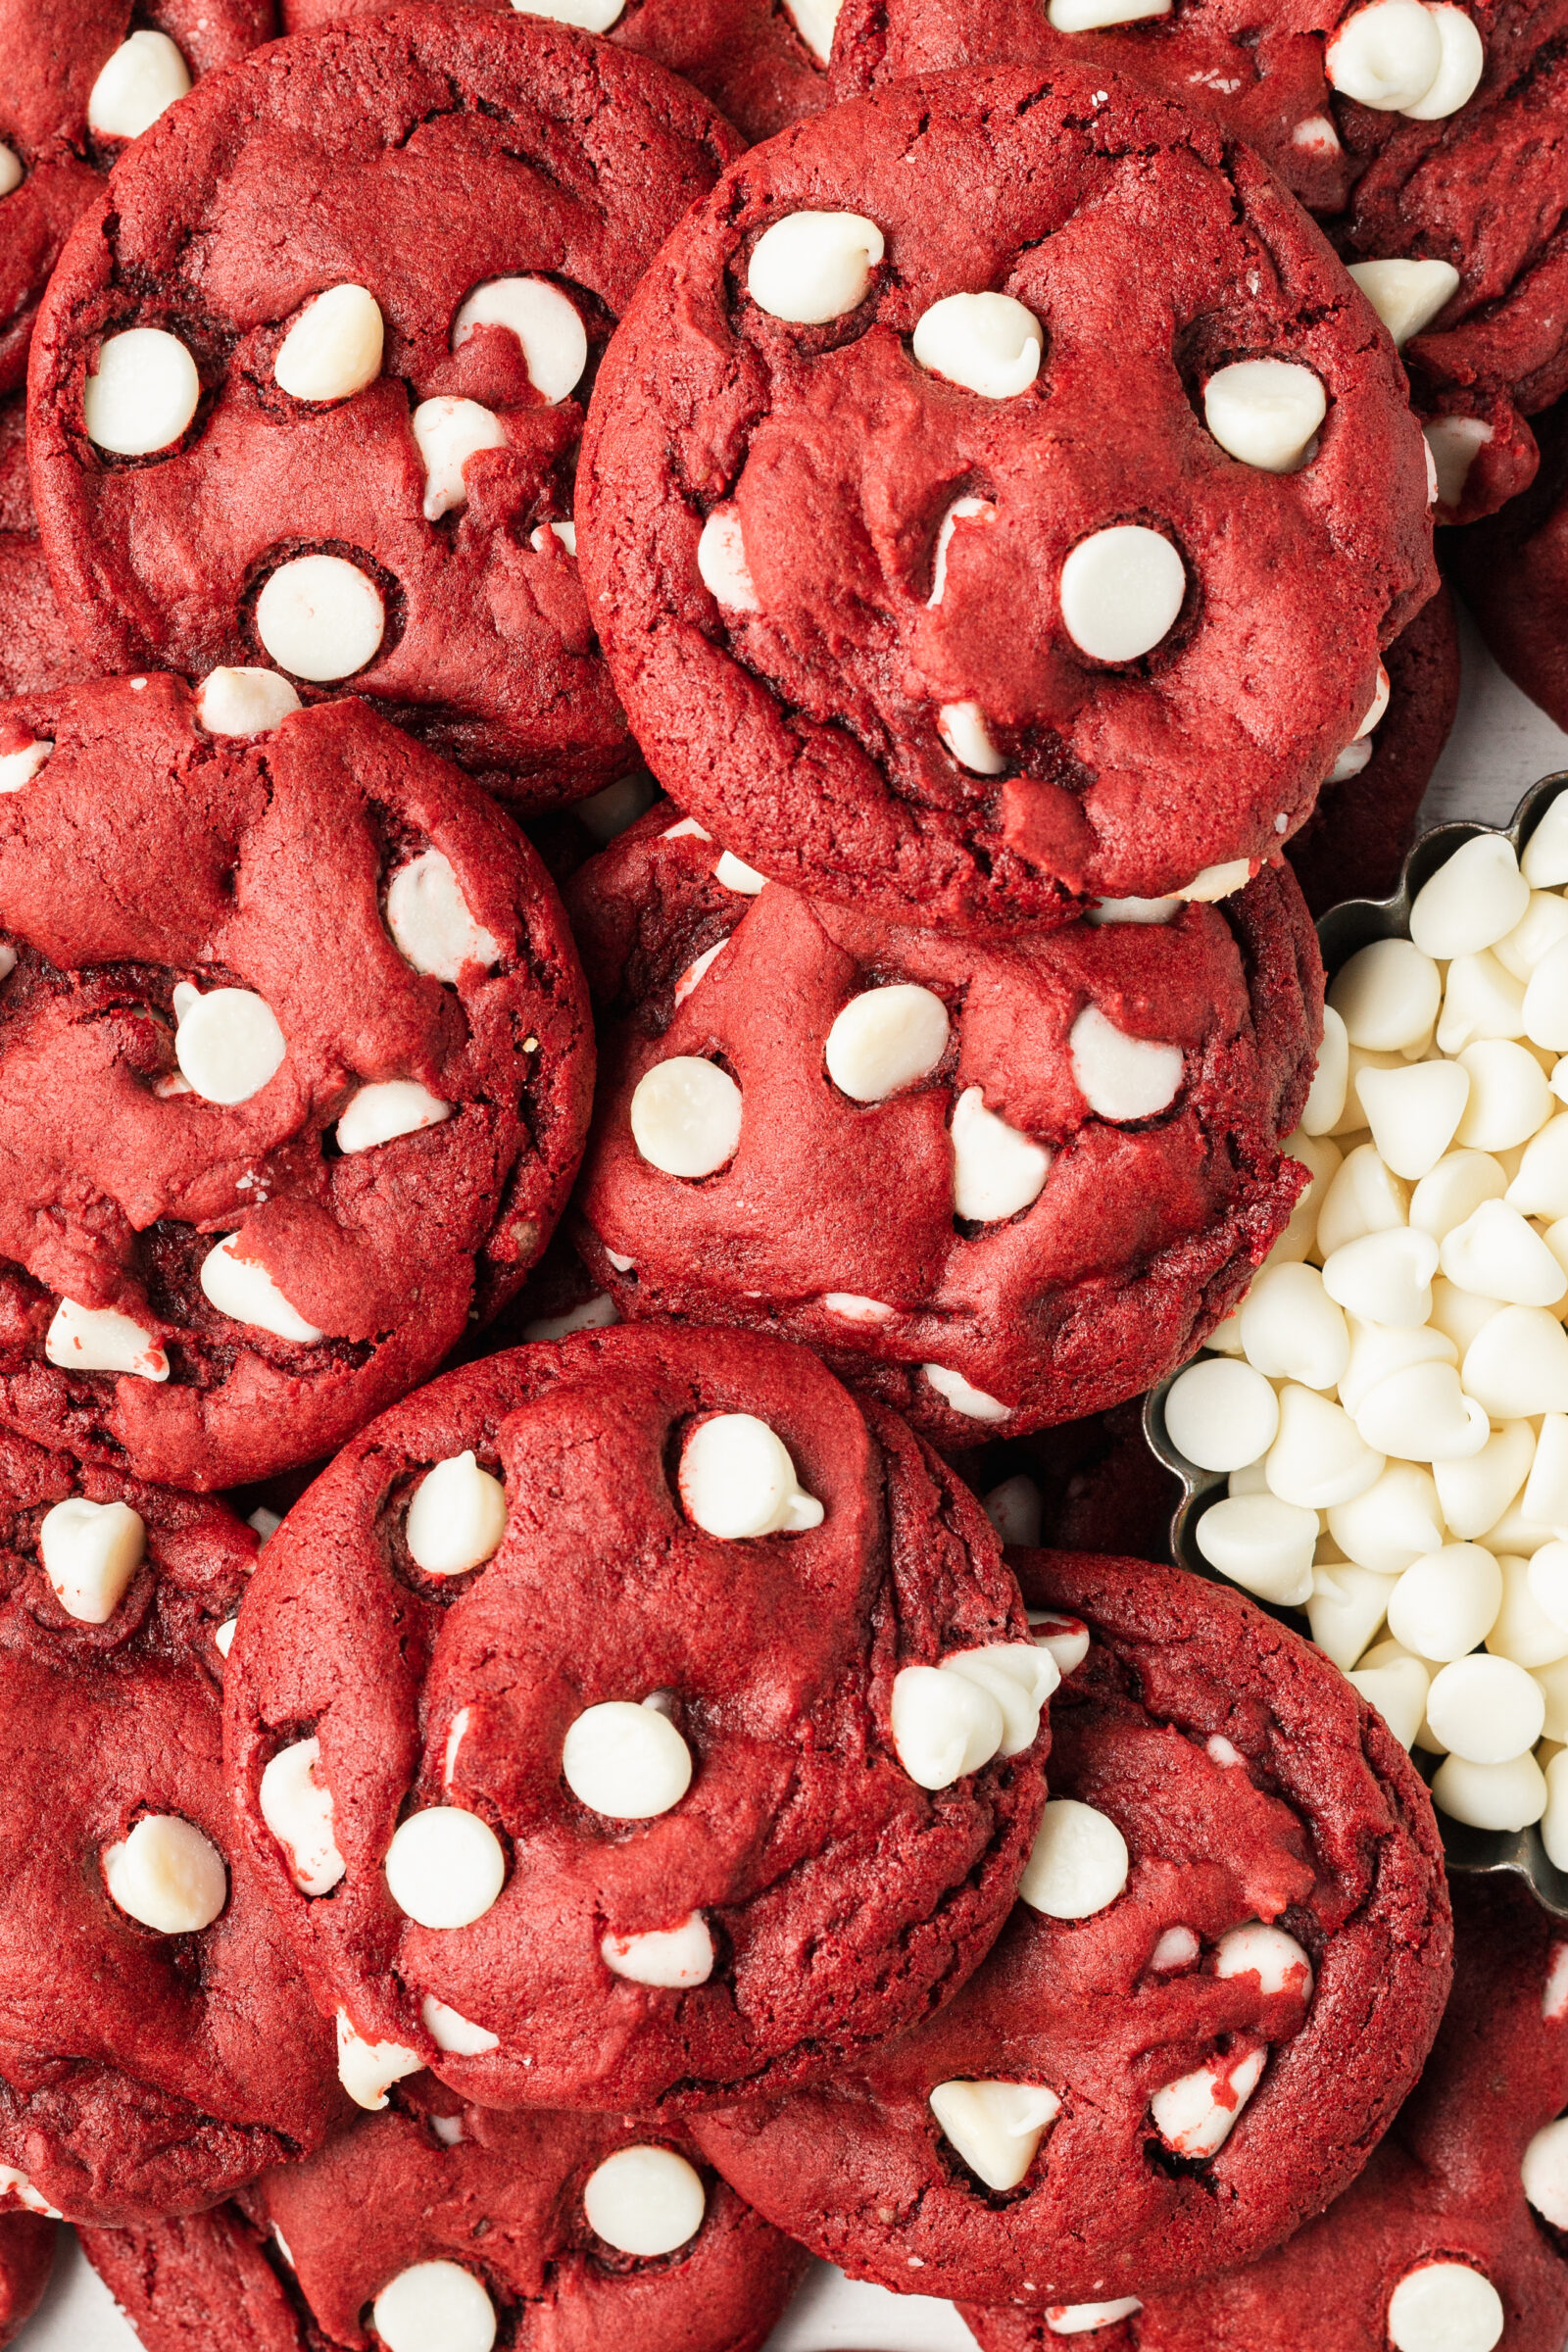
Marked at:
<point>752,707</point>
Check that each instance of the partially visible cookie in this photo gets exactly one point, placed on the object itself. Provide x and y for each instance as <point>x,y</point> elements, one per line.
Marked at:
<point>295,1065</point>
<point>1512,572</point>
<point>157,2044</point>
<point>1225,1972</point>
<point>558,2231</point>
<point>26,2258</point>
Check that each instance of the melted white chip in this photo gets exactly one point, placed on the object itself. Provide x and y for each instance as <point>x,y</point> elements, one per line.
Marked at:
<point>1276,1959</point>
<point>1216,882</point>
<point>11,172</point>
<point>1444,2307</point>
<point>1386,56</point>
<point>686,1116</point>
<point>1021,1677</point>
<point>297,1807</point>
<point>1085,2319</point>
<point>645,2202</point>
<point>243,1289</point>
<point>721,562</point>
<point>1122,1077</point>
<point>1461,64</point>
<point>737,1480</point>
<point>988,343</point>
<point>976,1404</point>
<point>816,21</point>
<point>628,1762</point>
<point>589,15</point>
<point>31,2198</point>
<point>448,432</point>
<point>223,1636</point>
<point>244,702</point>
<point>1453,444</point>
<point>167,1874</point>
<point>445,1867</point>
<point>1543,2172</point>
<point>1134,910</point>
<point>320,618</point>
<point>1093,15</point>
<point>368,2069</point>
<point>455,2034</point>
<point>429,919</point>
<point>1196,2114</point>
<point>100,1338</point>
<point>1178,1947</point>
<point>952,1719</point>
<point>698,971</point>
<point>17,768</point>
<point>90,1551</point>
<point>1406,295</point>
<point>670,1957</point>
<point>143,394</point>
<point>456,1517</point>
<point>1121,590</point>
<point>963,509</point>
<point>996,2127</point>
<point>995,1170</point>
<point>594,1315</point>
<point>1264,412</point>
<point>1078,1863</point>
<point>1015,1509</point>
<point>813,267</point>
<point>229,1044</point>
<point>886,1038</point>
<point>549,327</point>
<point>733,874</point>
<point>334,349</point>
<point>1065,1638</point>
<point>145,75</point>
<point>434,2307</point>
<point>962,728</point>
<point>391,1107</point>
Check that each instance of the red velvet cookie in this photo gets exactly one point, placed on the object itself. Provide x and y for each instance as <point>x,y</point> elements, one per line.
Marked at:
<point>1093,1485</point>
<point>996,1182</point>
<point>157,2044</point>
<point>37,651</point>
<point>294,1070</point>
<point>79,79</point>
<point>721,1758</point>
<point>26,2258</point>
<point>1454,2237</point>
<point>563,2232</point>
<point>762,61</point>
<point>1513,572</point>
<point>950,599</point>
<point>349,451</point>
<point>1226,1970</point>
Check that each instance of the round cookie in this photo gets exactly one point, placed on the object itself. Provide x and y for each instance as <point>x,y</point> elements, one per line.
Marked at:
<point>157,2044</point>
<point>505,2201</point>
<point>1513,574</point>
<point>762,61</point>
<point>1451,2186</point>
<point>1227,1968</point>
<point>26,2258</point>
<point>695,1782</point>
<point>79,78</point>
<point>349,453</point>
<point>294,1070</point>
<point>909,612</point>
<point>996,1182</point>
<point>1356,840</point>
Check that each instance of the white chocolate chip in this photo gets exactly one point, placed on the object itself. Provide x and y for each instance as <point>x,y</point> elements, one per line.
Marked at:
<point>1406,295</point>
<point>100,1338</point>
<point>1454,443</point>
<point>1387,996</point>
<point>1462,62</point>
<point>142,395</point>
<point>1261,1543</point>
<point>1086,2319</point>
<point>731,873</point>
<point>886,1038</point>
<point>1522,1630</point>
<point>31,2198</point>
<point>996,2127</point>
<point>390,1108</point>
<point>456,1517</point>
<point>674,1958</point>
<point>1414,1112</point>
<point>1398,1690</point>
<point>1221,1414</point>
<point>963,509</point>
<point>1178,1947</point>
<point>737,1481</point>
<point>1444,2307</point>
<point>686,1116</point>
<point>454,2032</point>
<point>448,432</point>
<point>223,1636</point>
<point>1021,1677</point>
<point>229,1044</point>
<point>1276,1959</point>
<point>1475,898</point>
<point>1491,1797</point>
<point>995,1170</point>
<point>334,349</point>
<point>987,343</point>
<point>1216,882</point>
<point>17,768</point>
<point>698,971</point>
<point>627,1762</point>
<point>1355,756</point>
<point>11,172</point>
<point>1497,1254</point>
<point>976,1404</point>
<point>1517,1364</point>
<point>320,618</point>
<point>944,1725</point>
<point>90,1551</point>
<point>297,1807</point>
<point>589,15</point>
<point>244,702</point>
<point>1394,1523</point>
<point>368,2069</point>
<point>1014,1509</point>
<point>430,921</point>
<point>167,1874</point>
<point>1290,1329</point>
<point>1121,590</point>
<point>1196,2115</point>
<point>1445,1603</point>
<point>434,2307</point>
<point>1264,412</point>
<point>855,1309</point>
<point>816,21</point>
<point>962,728</point>
<point>243,1289</point>
<point>546,323</point>
<point>1134,910</point>
<point>645,2202</point>
<point>1120,1077</point>
<point>1476,1491</point>
<point>445,1867</point>
<point>721,562</point>
<point>813,267</point>
<point>1386,56</point>
<point>1486,1709</point>
<point>1326,1098</point>
<point>604,816</point>
<point>1544,2172</point>
<point>1078,1863</point>
<point>1386,1278</point>
<point>1319,1458</point>
<point>145,75</point>
<point>1065,1638</point>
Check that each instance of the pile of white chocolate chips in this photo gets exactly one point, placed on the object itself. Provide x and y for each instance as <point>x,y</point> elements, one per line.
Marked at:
<point>1389,1401</point>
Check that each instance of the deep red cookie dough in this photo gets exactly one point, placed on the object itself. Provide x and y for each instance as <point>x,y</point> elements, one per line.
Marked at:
<point>1444,2186</point>
<point>146,853</point>
<point>499,2195</point>
<point>1250,1782</point>
<point>748,56</point>
<point>1513,574</point>
<point>1357,838</point>
<point>51,54</point>
<point>459,148</point>
<point>37,651</point>
<point>26,2257</point>
<point>141,2073</point>
<point>805,733</point>
<point>840,1898</point>
<point>832,1211</point>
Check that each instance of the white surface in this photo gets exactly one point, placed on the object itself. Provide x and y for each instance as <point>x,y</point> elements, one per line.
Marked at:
<point>1500,744</point>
